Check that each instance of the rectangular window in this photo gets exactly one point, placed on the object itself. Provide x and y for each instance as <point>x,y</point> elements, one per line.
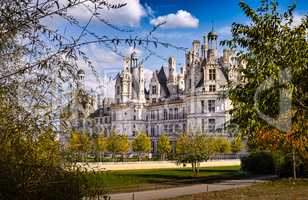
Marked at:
<point>152,131</point>
<point>166,128</point>
<point>154,90</point>
<point>157,114</point>
<point>202,106</point>
<point>211,105</point>
<point>202,125</point>
<point>212,74</point>
<point>165,114</point>
<point>184,127</point>
<point>211,125</point>
<point>170,128</point>
<point>152,114</point>
<point>154,100</point>
<point>212,88</point>
<point>176,113</point>
<point>170,113</point>
<point>118,90</point>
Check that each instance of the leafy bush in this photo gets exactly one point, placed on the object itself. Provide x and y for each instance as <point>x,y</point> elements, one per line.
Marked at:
<point>258,163</point>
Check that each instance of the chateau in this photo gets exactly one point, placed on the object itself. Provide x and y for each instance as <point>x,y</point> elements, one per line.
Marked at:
<point>188,100</point>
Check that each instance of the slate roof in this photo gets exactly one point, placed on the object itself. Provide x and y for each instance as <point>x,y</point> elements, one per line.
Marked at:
<point>100,112</point>
<point>162,79</point>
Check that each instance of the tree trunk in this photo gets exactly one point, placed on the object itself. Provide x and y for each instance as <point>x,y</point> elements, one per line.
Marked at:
<point>294,164</point>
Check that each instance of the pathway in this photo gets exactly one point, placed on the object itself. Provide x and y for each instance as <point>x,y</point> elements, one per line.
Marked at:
<point>188,190</point>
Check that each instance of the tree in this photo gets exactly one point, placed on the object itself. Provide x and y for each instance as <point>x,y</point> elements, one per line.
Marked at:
<point>163,146</point>
<point>236,145</point>
<point>270,103</point>
<point>193,149</point>
<point>222,145</point>
<point>36,58</point>
<point>80,143</point>
<point>114,144</point>
<point>101,143</point>
<point>141,144</point>
<point>124,145</point>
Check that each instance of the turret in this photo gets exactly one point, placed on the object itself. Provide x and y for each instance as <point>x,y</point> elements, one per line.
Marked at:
<point>212,43</point>
<point>172,70</point>
<point>196,47</point>
<point>80,77</point>
<point>204,47</point>
<point>141,96</point>
<point>181,79</point>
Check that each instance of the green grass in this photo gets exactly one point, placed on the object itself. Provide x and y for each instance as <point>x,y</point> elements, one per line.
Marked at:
<point>135,180</point>
<point>276,190</point>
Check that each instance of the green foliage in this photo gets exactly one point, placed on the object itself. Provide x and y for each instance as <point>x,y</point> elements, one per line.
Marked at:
<point>31,160</point>
<point>221,145</point>
<point>117,144</point>
<point>163,146</point>
<point>124,144</point>
<point>236,145</point>
<point>101,144</point>
<point>193,149</point>
<point>258,163</point>
<point>271,44</point>
<point>141,144</point>
<point>80,143</point>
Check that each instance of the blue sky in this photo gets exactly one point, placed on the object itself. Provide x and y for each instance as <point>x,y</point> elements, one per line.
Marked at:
<point>186,20</point>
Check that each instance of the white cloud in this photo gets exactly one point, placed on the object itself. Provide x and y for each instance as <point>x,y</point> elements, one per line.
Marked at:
<point>181,19</point>
<point>129,15</point>
<point>297,20</point>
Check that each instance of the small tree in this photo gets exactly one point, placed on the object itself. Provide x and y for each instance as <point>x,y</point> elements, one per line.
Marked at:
<point>163,146</point>
<point>80,143</point>
<point>236,145</point>
<point>114,144</point>
<point>124,145</point>
<point>141,144</point>
<point>101,145</point>
<point>194,148</point>
<point>222,145</point>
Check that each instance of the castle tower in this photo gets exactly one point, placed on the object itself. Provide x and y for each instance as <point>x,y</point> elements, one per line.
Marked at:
<point>126,80</point>
<point>141,96</point>
<point>181,80</point>
<point>212,49</point>
<point>204,47</point>
<point>80,81</point>
<point>172,70</point>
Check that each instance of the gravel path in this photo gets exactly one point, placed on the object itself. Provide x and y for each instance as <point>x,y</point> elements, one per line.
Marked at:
<point>188,190</point>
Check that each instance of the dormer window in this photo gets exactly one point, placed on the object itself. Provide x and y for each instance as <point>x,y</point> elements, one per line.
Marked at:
<point>154,89</point>
<point>212,88</point>
<point>212,74</point>
<point>118,90</point>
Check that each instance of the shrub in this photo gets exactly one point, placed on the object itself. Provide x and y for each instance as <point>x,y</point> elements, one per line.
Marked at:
<point>258,163</point>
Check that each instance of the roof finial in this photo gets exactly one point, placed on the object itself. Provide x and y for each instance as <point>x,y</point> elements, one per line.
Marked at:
<point>212,22</point>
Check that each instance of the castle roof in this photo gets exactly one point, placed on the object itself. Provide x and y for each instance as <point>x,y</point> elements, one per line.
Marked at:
<point>162,79</point>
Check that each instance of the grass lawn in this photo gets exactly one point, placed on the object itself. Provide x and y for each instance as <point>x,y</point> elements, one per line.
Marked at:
<point>276,190</point>
<point>135,180</point>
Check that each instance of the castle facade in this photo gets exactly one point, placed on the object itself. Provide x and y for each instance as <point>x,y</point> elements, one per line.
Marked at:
<point>191,99</point>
